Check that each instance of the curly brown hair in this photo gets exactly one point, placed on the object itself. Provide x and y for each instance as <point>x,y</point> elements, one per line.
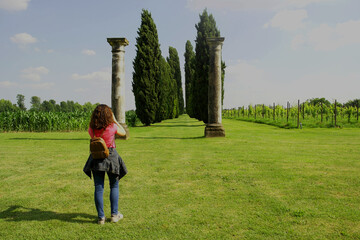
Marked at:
<point>101,117</point>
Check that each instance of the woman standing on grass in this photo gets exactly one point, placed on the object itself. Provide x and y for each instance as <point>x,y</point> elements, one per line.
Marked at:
<point>104,124</point>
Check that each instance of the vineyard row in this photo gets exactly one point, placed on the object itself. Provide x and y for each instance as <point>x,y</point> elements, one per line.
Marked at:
<point>298,116</point>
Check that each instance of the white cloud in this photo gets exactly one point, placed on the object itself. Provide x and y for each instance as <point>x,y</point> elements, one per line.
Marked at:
<point>327,38</point>
<point>298,41</point>
<point>7,84</point>
<point>14,5</point>
<point>40,86</point>
<point>81,90</point>
<point>50,51</point>
<point>22,39</point>
<point>102,75</point>
<point>88,52</point>
<point>34,74</point>
<point>289,20</point>
<point>197,5</point>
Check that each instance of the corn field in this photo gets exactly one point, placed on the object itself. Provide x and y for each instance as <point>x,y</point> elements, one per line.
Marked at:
<point>32,121</point>
<point>39,121</point>
<point>298,115</point>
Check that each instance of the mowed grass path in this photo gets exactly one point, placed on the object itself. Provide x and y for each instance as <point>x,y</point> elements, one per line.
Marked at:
<point>260,182</point>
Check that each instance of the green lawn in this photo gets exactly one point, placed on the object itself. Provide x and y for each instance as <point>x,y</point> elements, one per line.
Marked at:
<point>260,182</point>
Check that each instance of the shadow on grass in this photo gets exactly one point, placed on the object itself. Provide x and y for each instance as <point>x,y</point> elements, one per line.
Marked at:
<point>18,213</point>
<point>176,125</point>
<point>170,137</point>
<point>52,139</point>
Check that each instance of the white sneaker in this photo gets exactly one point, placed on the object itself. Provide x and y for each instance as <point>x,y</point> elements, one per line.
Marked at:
<point>116,217</point>
<point>101,221</point>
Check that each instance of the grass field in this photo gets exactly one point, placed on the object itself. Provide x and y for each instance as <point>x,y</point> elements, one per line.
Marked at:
<point>260,182</point>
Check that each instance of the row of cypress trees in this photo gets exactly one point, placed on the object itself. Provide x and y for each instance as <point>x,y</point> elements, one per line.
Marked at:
<point>156,82</point>
<point>157,85</point>
<point>197,68</point>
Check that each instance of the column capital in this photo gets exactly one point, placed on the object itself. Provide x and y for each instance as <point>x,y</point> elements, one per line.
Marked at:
<point>116,43</point>
<point>215,40</point>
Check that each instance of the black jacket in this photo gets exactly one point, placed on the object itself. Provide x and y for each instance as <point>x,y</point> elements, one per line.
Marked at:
<point>113,163</point>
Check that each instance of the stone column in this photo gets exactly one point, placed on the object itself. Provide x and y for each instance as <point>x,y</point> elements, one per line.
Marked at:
<point>214,128</point>
<point>118,80</point>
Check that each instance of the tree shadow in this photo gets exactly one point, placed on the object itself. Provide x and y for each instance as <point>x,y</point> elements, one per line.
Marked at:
<point>176,125</point>
<point>171,137</point>
<point>18,213</point>
<point>52,139</point>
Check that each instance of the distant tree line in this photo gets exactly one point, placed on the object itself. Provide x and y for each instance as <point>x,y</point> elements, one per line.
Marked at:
<point>45,106</point>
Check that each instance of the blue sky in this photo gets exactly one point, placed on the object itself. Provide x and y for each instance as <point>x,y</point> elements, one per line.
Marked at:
<point>275,50</point>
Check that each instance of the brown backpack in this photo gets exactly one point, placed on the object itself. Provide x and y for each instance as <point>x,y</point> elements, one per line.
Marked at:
<point>98,148</point>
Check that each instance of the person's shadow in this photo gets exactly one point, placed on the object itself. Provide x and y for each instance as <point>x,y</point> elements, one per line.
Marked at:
<point>18,213</point>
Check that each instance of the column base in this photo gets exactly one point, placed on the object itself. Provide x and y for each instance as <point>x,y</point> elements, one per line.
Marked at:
<point>214,130</point>
<point>127,136</point>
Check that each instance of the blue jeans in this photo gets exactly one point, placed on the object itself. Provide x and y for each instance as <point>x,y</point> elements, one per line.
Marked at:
<point>99,192</point>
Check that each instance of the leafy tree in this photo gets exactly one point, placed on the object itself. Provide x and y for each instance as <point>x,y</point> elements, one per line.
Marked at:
<point>88,107</point>
<point>318,101</point>
<point>35,103</point>
<point>146,70</point>
<point>205,28</point>
<point>7,106</point>
<point>47,106</point>
<point>189,77</point>
<point>64,106</point>
<point>353,103</point>
<point>21,101</point>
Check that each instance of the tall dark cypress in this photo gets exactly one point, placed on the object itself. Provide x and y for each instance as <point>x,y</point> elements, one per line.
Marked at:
<point>205,28</point>
<point>189,67</point>
<point>174,63</point>
<point>146,70</point>
<point>164,92</point>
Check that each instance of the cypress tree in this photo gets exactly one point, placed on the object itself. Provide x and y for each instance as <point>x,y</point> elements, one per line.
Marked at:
<point>174,63</point>
<point>146,70</point>
<point>205,28</point>
<point>189,77</point>
<point>164,90</point>
<point>173,102</point>
<point>223,66</point>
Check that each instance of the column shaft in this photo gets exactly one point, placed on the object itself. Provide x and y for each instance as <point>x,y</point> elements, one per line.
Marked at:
<point>214,126</point>
<point>118,80</point>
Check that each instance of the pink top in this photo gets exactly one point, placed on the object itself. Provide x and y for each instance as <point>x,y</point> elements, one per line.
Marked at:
<point>108,135</point>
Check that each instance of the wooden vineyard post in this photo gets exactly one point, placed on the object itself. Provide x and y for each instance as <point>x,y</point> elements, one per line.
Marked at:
<point>298,116</point>
<point>287,112</point>
<point>274,111</point>
<point>335,114</point>
<point>263,111</point>
<point>321,111</point>
<point>357,107</point>
<point>303,110</point>
<point>255,111</point>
